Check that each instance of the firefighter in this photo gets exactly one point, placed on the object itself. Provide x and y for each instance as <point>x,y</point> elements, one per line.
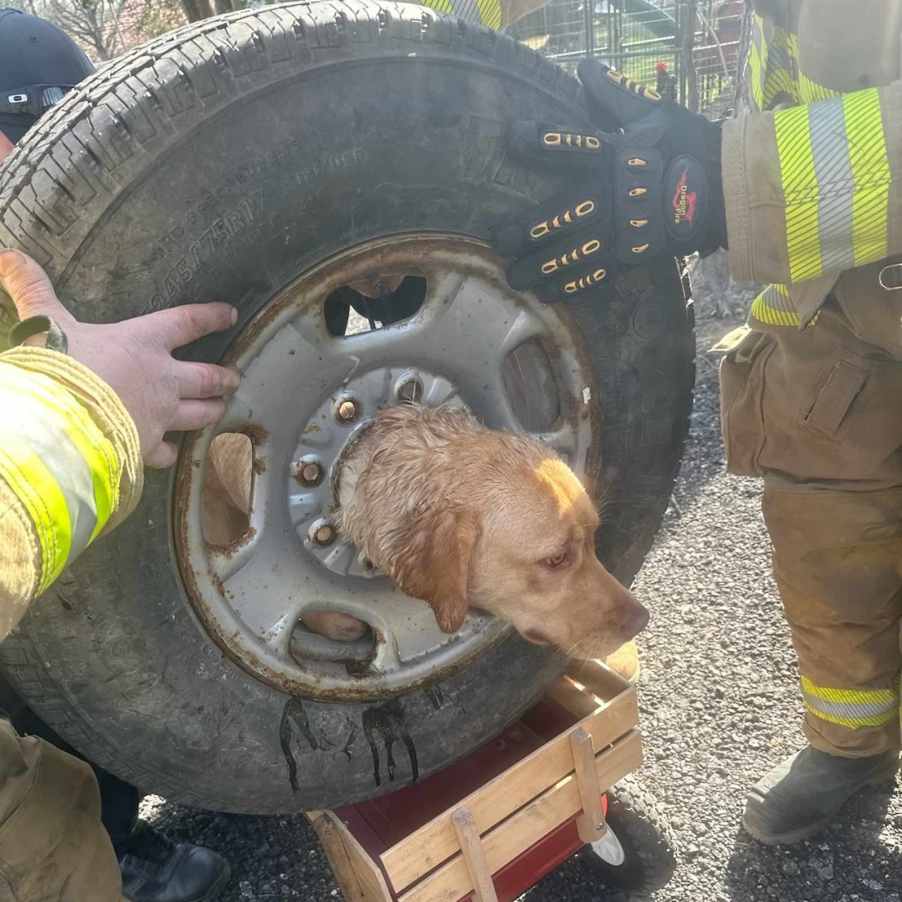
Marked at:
<point>82,406</point>
<point>805,193</point>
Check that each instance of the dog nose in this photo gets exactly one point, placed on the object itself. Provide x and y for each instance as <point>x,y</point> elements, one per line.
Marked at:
<point>636,620</point>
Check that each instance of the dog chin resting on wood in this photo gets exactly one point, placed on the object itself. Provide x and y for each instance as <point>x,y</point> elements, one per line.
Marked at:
<point>463,516</point>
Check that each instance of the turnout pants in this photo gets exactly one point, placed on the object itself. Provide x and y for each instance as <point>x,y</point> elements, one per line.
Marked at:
<point>53,846</point>
<point>818,413</point>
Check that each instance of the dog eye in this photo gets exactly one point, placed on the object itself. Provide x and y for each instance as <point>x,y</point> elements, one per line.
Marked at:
<point>556,560</point>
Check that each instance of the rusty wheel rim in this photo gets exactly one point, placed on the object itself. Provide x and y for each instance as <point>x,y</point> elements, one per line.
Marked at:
<point>513,361</point>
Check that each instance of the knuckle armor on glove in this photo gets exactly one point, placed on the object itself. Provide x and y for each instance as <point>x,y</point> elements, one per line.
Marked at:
<point>652,190</point>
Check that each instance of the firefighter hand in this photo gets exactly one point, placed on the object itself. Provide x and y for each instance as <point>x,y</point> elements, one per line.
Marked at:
<point>134,357</point>
<point>652,190</point>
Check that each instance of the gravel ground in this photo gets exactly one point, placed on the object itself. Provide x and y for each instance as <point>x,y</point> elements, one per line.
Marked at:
<point>719,705</point>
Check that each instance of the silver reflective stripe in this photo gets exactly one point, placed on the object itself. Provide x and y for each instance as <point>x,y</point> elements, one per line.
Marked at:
<point>830,150</point>
<point>62,458</point>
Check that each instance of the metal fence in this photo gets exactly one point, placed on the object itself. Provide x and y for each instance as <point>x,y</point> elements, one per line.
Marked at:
<point>694,45</point>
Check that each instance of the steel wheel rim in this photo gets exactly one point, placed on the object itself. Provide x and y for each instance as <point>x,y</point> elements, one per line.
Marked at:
<point>466,345</point>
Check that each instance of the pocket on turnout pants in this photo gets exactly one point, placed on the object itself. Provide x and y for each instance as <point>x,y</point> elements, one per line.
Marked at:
<point>741,402</point>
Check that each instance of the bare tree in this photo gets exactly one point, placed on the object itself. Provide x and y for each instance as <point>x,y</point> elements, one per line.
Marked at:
<point>95,24</point>
<point>106,28</point>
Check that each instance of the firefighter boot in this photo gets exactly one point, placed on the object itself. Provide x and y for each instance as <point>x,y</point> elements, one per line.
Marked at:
<point>801,795</point>
<point>155,869</point>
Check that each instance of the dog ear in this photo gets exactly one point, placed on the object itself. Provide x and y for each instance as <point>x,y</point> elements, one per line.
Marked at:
<point>435,566</point>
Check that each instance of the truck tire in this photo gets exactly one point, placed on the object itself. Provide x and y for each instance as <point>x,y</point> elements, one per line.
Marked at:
<point>225,161</point>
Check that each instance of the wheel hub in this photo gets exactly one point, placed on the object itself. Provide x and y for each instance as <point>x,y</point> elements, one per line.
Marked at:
<point>324,441</point>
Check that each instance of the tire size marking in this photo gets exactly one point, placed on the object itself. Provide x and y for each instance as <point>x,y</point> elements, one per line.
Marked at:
<point>211,243</point>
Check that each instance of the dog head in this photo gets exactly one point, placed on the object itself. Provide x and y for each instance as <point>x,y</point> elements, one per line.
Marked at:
<point>538,567</point>
<point>519,544</point>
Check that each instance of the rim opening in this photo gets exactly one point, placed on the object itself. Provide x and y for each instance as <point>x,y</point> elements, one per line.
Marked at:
<point>333,636</point>
<point>377,300</point>
<point>531,386</point>
<point>228,490</point>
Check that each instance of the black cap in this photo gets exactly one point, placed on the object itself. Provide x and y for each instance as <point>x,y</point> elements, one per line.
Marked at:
<point>39,63</point>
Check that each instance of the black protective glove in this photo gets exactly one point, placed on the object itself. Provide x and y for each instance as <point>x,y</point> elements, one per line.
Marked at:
<point>652,190</point>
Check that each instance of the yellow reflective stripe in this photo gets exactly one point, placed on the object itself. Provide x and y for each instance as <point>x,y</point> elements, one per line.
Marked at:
<point>756,74</point>
<point>105,475</point>
<point>44,502</point>
<point>870,175</point>
<point>833,162</point>
<point>876,720</point>
<point>95,449</point>
<point>809,91</point>
<point>852,708</point>
<point>773,307</point>
<point>776,70</point>
<point>490,13</point>
<point>62,454</point>
<point>793,133</point>
<point>441,6</point>
<point>780,76</point>
<point>779,83</point>
<point>476,12</point>
<point>836,177</point>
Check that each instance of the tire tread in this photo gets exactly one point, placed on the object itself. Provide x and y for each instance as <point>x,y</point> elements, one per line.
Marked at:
<point>144,97</point>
